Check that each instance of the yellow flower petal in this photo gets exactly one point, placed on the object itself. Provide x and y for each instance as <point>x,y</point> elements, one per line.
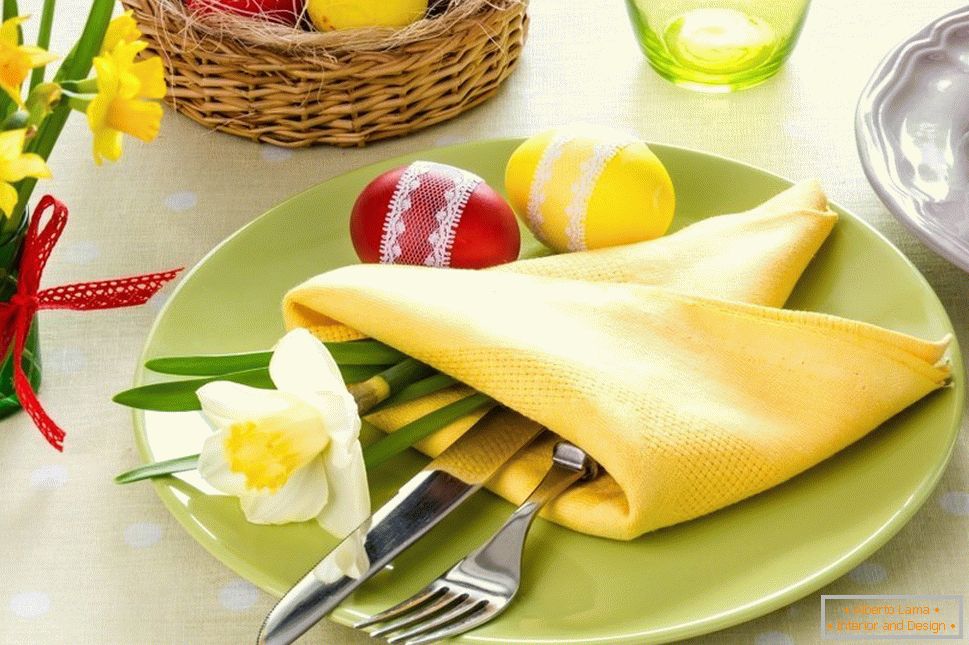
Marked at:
<point>13,91</point>
<point>37,56</point>
<point>151,74</point>
<point>26,165</point>
<point>107,145</point>
<point>9,34</point>
<point>12,144</point>
<point>106,72</point>
<point>16,60</point>
<point>122,29</point>
<point>8,198</point>
<point>140,119</point>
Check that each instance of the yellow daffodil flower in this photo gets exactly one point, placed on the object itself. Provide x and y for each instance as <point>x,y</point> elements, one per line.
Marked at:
<point>15,165</point>
<point>17,60</point>
<point>122,29</point>
<point>292,454</point>
<point>122,103</point>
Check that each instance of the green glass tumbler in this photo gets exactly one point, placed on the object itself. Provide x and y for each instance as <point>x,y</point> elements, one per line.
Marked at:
<point>717,45</point>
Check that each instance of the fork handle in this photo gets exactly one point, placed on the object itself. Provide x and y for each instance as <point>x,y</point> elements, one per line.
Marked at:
<point>569,464</point>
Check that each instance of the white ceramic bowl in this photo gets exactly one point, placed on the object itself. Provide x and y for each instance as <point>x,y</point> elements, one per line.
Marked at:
<point>912,128</point>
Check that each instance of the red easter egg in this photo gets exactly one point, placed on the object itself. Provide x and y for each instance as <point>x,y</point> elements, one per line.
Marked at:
<point>433,214</point>
<point>287,12</point>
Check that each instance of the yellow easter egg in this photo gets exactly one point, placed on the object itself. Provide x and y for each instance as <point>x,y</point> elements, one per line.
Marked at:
<point>585,187</point>
<point>330,15</point>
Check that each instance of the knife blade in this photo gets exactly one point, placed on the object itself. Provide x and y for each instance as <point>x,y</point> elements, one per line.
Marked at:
<point>426,499</point>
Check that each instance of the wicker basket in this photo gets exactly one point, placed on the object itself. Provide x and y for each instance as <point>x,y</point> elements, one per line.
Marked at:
<point>296,93</point>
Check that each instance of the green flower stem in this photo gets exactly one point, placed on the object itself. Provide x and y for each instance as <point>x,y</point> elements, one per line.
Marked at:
<point>416,390</point>
<point>402,439</point>
<point>77,102</point>
<point>43,39</point>
<point>381,386</point>
<point>373,455</point>
<point>85,86</point>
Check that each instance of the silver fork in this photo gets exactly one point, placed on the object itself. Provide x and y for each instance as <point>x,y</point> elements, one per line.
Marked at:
<point>480,586</point>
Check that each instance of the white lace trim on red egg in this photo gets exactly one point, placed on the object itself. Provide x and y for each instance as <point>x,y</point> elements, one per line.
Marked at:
<point>424,213</point>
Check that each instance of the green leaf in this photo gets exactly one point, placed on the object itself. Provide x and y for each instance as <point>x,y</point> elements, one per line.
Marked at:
<point>209,365</point>
<point>43,39</point>
<point>158,469</point>
<point>179,396</point>
<point>399,441</point>
<point>358,352</point>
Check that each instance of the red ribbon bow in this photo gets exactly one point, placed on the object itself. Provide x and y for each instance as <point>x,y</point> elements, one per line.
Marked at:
<point>17,314</point>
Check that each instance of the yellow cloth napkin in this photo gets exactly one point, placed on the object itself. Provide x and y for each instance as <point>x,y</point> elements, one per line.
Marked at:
<point>690,403</point>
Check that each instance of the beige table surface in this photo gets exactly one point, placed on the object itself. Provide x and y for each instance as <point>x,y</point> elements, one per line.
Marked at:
<point>85,561</point>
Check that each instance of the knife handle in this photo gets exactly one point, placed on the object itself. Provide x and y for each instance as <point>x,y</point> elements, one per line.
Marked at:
<point>423,502</point>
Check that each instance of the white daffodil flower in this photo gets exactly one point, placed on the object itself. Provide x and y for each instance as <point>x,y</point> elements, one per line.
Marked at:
<point>292,454</point>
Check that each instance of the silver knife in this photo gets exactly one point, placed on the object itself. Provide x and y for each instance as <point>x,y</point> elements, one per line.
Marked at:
<point>456,474</point>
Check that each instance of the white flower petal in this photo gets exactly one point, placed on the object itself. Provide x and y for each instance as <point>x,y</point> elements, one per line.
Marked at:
<point>214,467</point>
<point>349,559</point>
<point>301,363</point>
<point>349,504</point>
<point>301,498</point>
<point>224,402</point>
<point>340,418</point>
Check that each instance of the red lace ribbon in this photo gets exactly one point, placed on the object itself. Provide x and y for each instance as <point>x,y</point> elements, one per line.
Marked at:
<point>17,314</point>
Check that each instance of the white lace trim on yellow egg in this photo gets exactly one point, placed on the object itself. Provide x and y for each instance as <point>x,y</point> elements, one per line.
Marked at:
<point>589,172</point>
<point>543,175</point>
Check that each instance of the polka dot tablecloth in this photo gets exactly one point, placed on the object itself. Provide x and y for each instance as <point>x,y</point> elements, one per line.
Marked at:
<point>85,561</point>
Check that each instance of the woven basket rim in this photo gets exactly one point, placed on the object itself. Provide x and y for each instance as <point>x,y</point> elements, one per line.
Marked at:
<point>178,23</point>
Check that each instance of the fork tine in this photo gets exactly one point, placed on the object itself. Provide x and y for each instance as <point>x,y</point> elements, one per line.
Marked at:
<point>441,620</point>
<point>422,597</point>
<point>459,625</point>
<point>446,601</point>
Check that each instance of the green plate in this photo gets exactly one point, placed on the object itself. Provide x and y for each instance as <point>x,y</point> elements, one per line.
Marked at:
<point>698,577</point>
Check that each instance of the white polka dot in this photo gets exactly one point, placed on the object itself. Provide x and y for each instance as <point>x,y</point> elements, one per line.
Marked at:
<point>868,573</point>
<point>773,638</point>
<point>49,477</point>
<point>30,604</point>
<point>66,360</point>
<point>955,502</point>
<point>142,535</point>
<point>238,595</point>
<point>274,153</point>
<point>181,201</point>
<point>80,252</point>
